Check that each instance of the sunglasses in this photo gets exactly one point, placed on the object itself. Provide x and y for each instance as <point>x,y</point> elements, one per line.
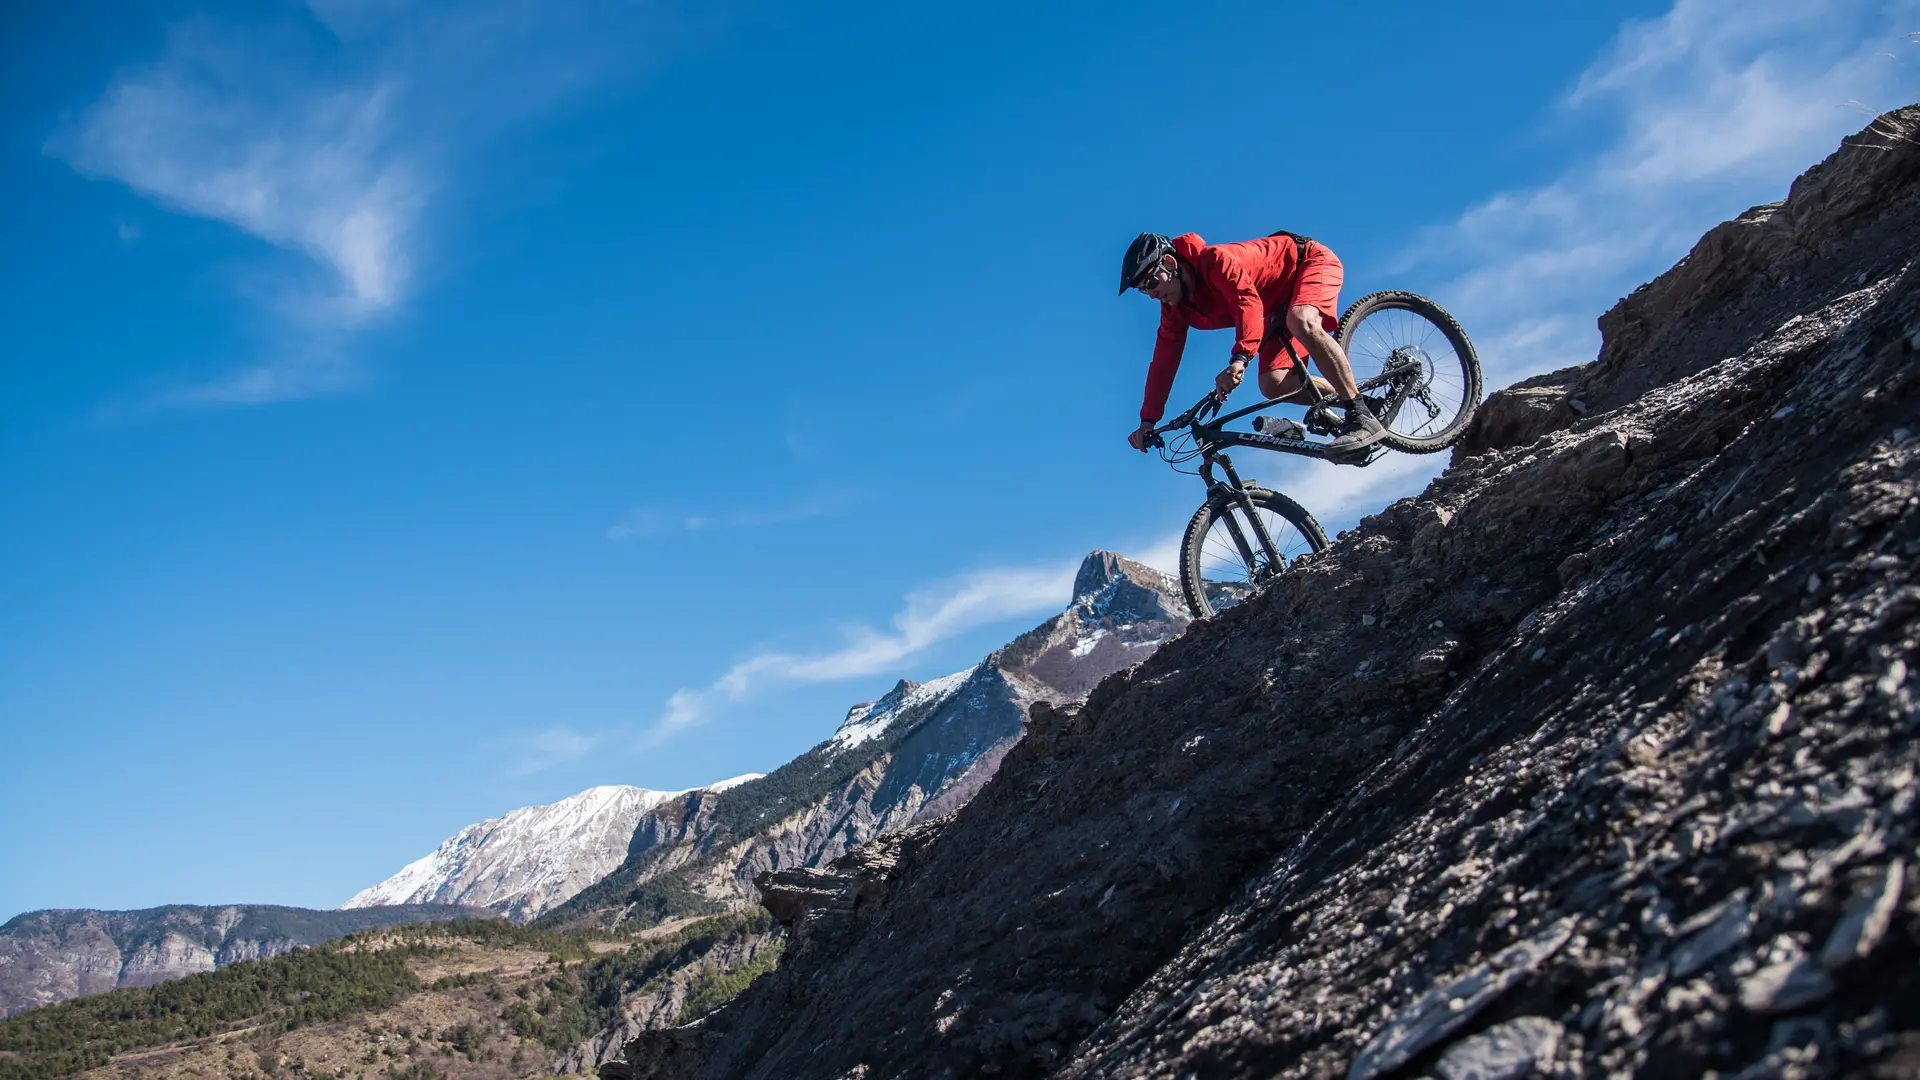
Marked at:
<point>1154,278</point>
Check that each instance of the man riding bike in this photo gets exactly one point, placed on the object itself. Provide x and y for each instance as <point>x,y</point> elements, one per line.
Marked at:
<point>1249,286</point>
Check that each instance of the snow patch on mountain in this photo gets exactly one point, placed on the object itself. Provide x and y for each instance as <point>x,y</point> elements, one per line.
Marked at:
<point>1087,642</point>
<point>731,782</point>
<point>870,718</point>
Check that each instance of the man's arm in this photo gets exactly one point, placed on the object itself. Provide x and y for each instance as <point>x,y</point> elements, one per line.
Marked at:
<point>1168,345</point>
<point>1232,280</point>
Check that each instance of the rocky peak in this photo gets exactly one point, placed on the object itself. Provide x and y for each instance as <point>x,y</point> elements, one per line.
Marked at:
<point>869,719</point>
<point>1128,591</point>
<point>887,702</point>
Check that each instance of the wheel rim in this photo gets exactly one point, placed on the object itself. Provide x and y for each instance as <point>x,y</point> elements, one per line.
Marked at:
<point>1225,578</point>
<point>1439,392</point>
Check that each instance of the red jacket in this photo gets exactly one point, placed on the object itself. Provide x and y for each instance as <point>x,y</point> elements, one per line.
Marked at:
<point>1231,285</point>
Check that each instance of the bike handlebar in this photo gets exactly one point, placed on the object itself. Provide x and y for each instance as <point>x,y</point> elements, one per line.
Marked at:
<point>1205,407</point>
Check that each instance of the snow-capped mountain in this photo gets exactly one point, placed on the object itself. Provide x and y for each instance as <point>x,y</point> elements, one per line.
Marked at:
<point>532,858</point>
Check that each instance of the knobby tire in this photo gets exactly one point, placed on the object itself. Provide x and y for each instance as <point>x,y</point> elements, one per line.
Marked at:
<point>1458,374</point>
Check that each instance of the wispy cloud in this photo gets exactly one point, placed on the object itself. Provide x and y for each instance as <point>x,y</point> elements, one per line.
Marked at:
<point>1715,106</point>
<point>329,137</point>
<point>931,614</point>
<point>649,521</point>
<point>551,748</point>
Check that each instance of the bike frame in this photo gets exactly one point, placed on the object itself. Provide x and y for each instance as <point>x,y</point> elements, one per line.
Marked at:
<point>1212,440</point>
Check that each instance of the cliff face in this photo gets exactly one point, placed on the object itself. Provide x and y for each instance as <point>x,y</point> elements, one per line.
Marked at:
<point>657,1006</point>
<point>1598,757</point>
<point>49,956</point>
<point>921,750</point>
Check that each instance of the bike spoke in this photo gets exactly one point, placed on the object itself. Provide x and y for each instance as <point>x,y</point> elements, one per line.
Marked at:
<point>1439,393</point>
<point>1229,575</point>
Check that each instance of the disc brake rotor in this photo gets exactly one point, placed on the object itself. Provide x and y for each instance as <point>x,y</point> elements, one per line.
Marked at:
<point>1418,380</point>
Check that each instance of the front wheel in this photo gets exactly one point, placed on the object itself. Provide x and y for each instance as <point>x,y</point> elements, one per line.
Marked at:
<point>1222,561</point>
<point>1429,381</point>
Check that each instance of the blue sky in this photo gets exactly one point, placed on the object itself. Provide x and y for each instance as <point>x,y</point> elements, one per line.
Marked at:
<point>416,410</point>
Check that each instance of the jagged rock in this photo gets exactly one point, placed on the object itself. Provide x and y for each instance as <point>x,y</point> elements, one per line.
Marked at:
<point>663,1054</point>
<point>1520,414</point>
<point>1508,1051</point>
<point>809,902</point>
<point>1789,983</point>
<point>657,1004</point>
<point>1447,1008</point>
<point>1710,934</point>
<point>791,894</point>
<point>1867,920</point>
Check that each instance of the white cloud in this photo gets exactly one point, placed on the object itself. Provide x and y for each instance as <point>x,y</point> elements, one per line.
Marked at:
<point>329,141</point>
<point>649,521</point>
<point>931,614</point>
<point>1163,554</point>
<point>552,747</point>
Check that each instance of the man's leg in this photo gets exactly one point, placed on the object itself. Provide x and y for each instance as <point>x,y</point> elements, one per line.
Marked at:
<point>1304,322</point>
<point>1363,429</point>
<point>1284,383</point>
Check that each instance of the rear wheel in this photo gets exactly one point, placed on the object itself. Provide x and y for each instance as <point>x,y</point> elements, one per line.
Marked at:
<point>1428,406</point>
<point>1222,561</point>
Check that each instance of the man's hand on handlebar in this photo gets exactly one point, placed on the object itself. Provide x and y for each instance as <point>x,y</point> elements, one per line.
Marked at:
<point>1230,376</point>
<point>1141,437</point>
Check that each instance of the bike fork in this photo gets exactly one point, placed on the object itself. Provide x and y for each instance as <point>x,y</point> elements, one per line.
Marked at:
<point>1240,497</point>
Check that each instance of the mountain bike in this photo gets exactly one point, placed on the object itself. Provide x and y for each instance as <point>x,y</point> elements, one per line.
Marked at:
<point>1245,536</point>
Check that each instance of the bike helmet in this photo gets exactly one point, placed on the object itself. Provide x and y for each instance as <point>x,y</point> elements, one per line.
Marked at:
<point>1141,256</point>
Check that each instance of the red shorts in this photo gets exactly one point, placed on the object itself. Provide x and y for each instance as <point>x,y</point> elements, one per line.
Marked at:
<point>1319,285</point>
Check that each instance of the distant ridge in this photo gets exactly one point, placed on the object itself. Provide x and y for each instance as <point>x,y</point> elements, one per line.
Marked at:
<point>48,956</point>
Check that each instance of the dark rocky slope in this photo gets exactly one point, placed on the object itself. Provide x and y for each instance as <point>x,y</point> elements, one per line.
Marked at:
<point>1597,757</point>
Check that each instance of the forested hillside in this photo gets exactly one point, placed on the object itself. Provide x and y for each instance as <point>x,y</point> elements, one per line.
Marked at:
<point>486,1000</point>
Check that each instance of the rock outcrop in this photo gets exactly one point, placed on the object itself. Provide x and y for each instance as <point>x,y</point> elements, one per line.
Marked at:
<point>651,1014</point>
<point>1597,758</point>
